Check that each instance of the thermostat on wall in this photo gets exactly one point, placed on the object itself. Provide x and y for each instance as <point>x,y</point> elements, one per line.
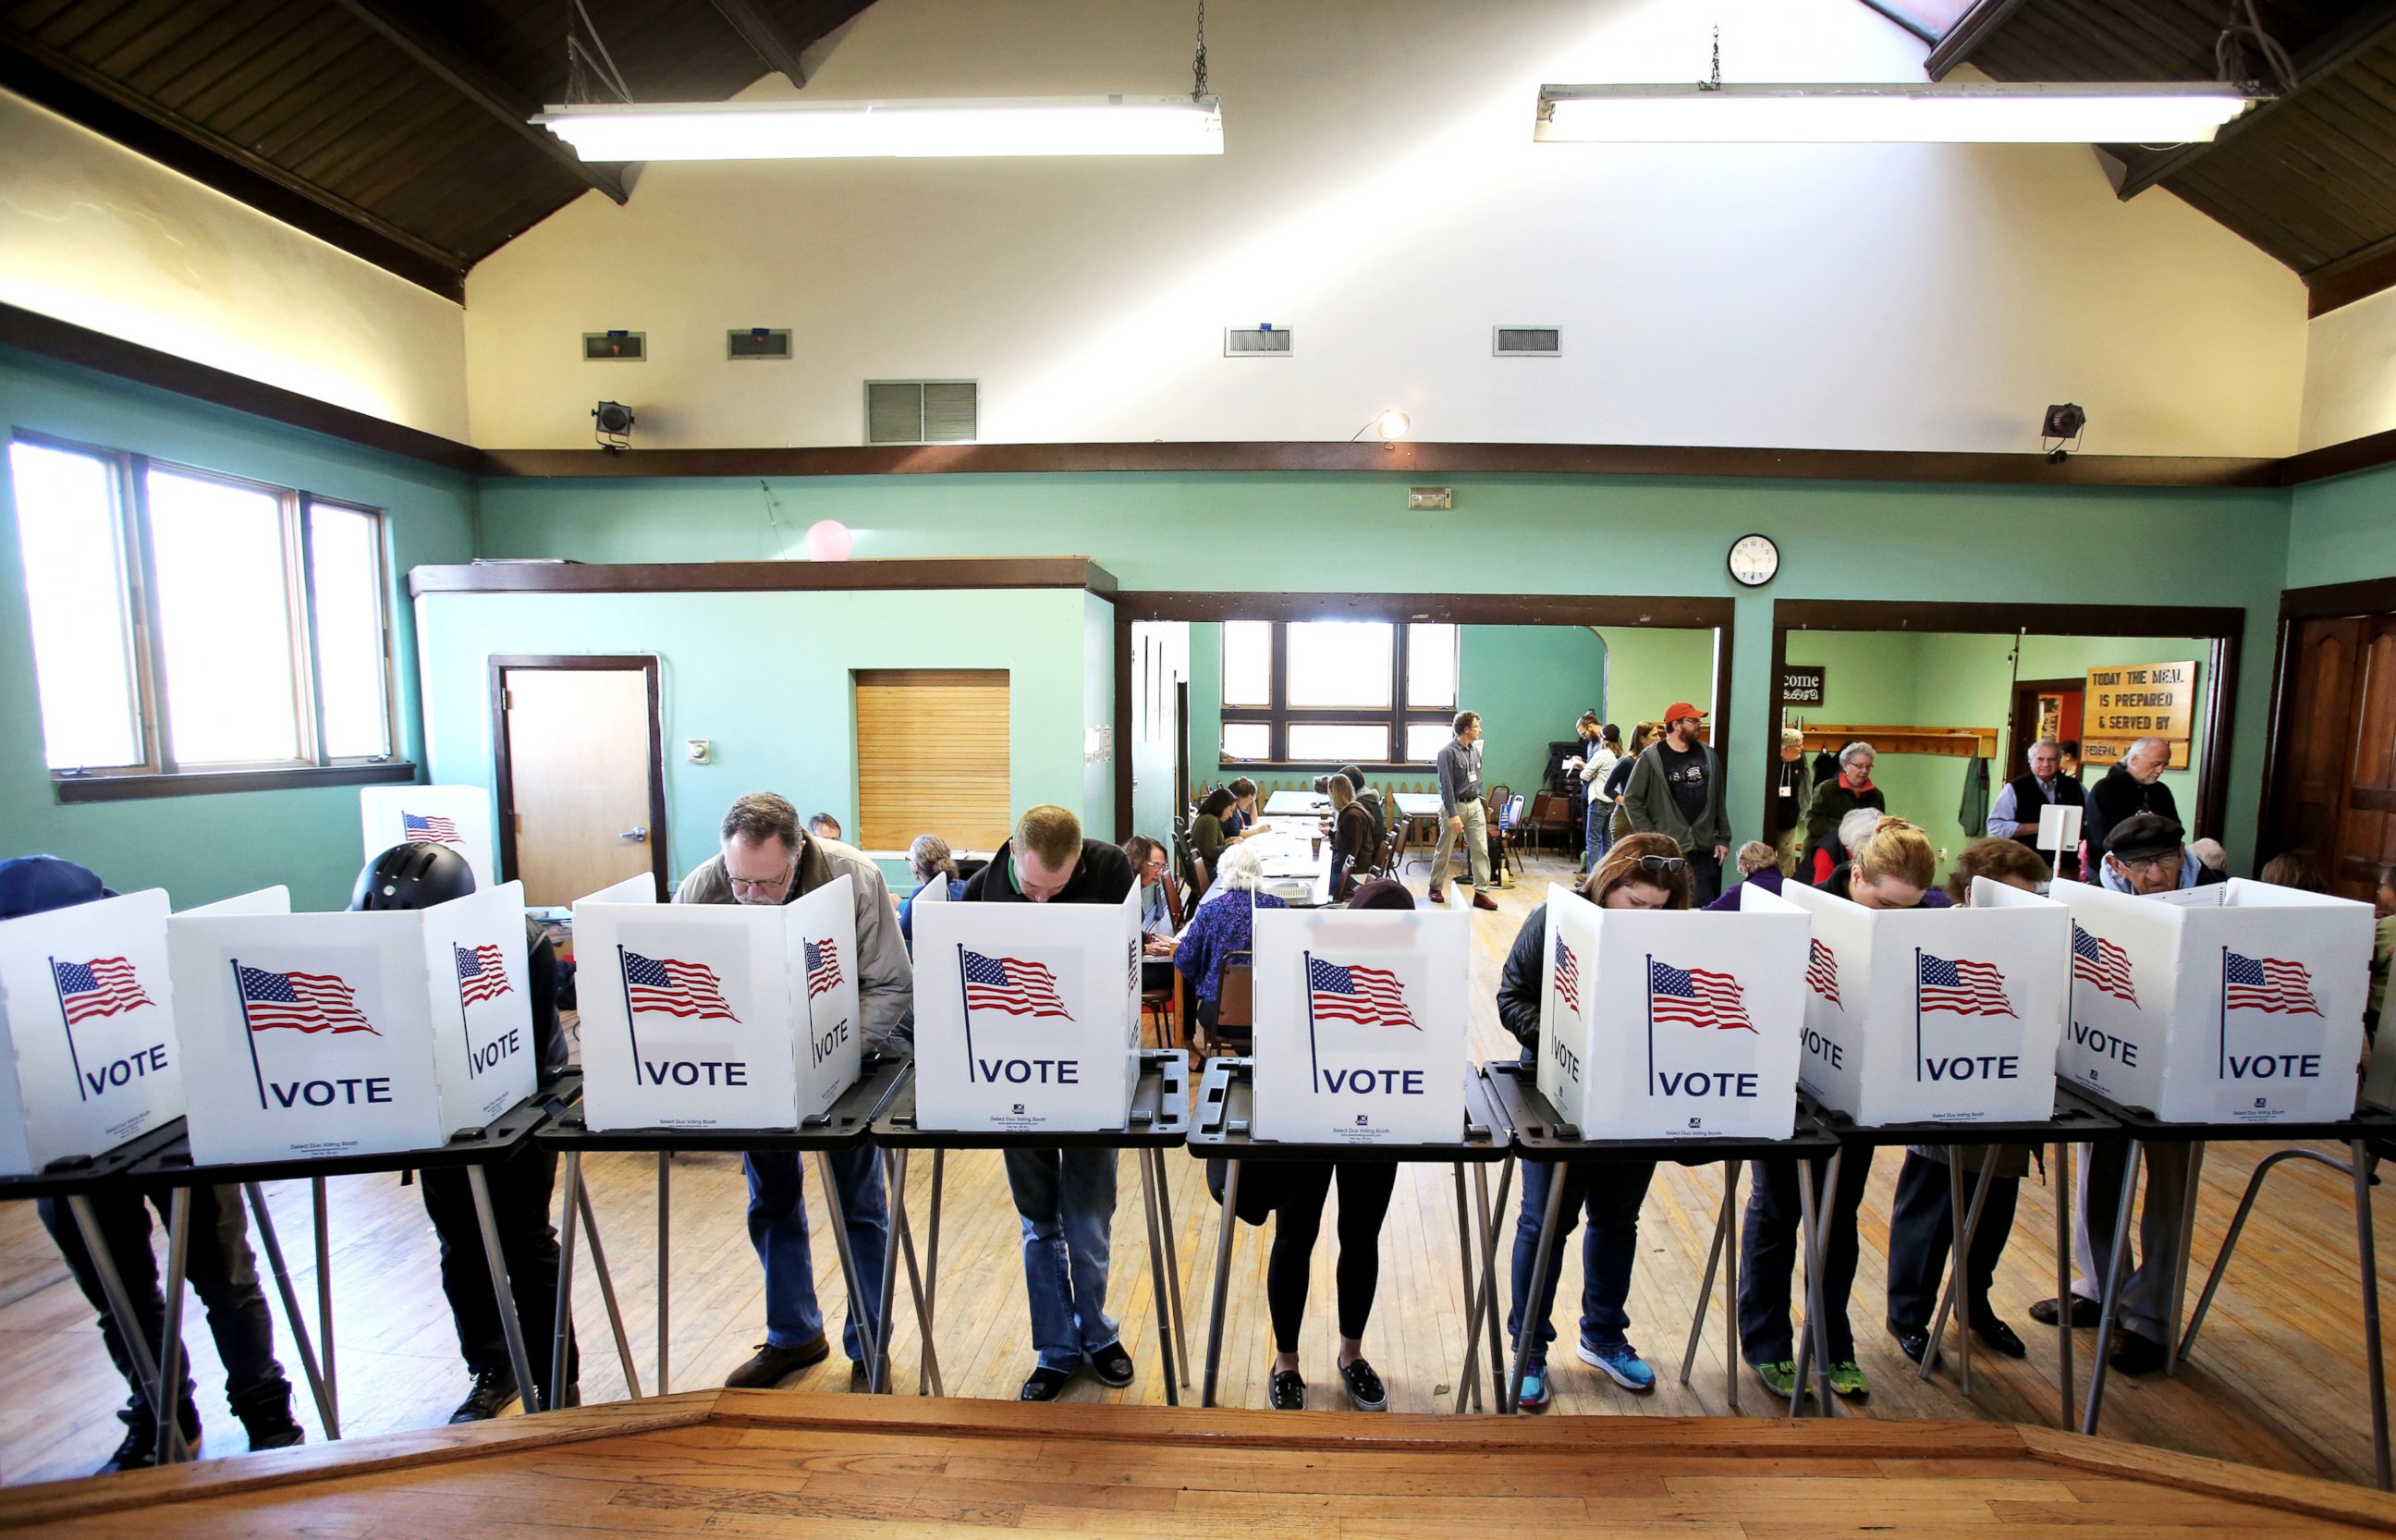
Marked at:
<point>696,749</point>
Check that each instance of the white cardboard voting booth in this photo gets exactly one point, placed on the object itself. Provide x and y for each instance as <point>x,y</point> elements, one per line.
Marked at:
<point>1027,1016</point>
<point>2241,1002</point>
<point>459,816</point>
<point>1360,1026</point>
<point>715,1016</point>
<point>1937,1015</point>
<point>88,1012</point>
<point>321,1035</point>
<point>1673,1024</point>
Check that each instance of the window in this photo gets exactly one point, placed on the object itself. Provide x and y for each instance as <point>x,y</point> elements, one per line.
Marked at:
<point>188,625</point>
<point>1332,692</point>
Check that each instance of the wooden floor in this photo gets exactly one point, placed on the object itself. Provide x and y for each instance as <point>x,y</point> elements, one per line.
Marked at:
<point>2277,1382</point>
<point>789,1464</point>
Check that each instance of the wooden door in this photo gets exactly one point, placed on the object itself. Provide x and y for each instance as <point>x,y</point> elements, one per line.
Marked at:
<point>2043,709</point>
<point>581,775</point>
<point>2366,835</point>
<point>2335,791</point>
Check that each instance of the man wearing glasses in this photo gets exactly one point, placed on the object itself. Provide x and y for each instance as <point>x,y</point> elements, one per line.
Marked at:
<point>766,859</point>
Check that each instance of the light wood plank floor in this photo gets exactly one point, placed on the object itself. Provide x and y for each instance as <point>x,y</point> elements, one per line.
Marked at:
<point>2277,1382</point>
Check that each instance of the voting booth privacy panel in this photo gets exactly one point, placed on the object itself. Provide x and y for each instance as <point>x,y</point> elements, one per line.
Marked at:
<point>85,1002</point>
<point>2240,1002</point>
<point>1673,1024</point>
<point>1027,1016</point>
<point>321,1035</point>
<point>1360,1026</point>
<point>459,816</point>
<point>715,1016</point>
<point>1934,1014</point>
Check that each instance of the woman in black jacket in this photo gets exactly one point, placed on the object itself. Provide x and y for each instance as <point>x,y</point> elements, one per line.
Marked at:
<point>1355,838</point>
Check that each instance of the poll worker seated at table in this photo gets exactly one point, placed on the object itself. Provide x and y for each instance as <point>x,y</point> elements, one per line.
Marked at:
<point>1369,796</point>
<point>1065,1197</point>
<point>1892,870</point>
<point>2143,855</point>
<point>1222,927</point>
<point>1244,815</point>
<point>928,861</point>
<point>1216,828</point>
<point>1758,863</point>
<point>1921,1222</point>
<point>1642,871</point>
<point>1355,838</point>
<point>1149,862</point>
<point>217,1258</point>
<point>766,859</point>
<point>2015,817</point>
<point>418,876</point>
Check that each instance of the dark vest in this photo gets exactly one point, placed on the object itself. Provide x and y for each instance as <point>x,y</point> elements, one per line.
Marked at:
<point>2029,797</point>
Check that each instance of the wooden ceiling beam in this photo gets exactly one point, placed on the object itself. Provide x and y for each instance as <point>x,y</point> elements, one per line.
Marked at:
<point>759,32</point>
<point>1975,27</point>
<point>467,75</point>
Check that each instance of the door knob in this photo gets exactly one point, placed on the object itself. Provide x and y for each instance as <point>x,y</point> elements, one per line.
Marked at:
<point>637,836</point>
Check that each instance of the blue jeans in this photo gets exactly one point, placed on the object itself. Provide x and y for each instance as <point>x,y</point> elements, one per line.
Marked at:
<point>1612,1192</point>
<point>778,1228</point>
<point>1067,1201</point>
<point>1599,835</point>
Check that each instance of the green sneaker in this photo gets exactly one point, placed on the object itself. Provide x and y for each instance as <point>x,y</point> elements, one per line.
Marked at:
<point>1779,1378</point>
<point>1848,1379</point>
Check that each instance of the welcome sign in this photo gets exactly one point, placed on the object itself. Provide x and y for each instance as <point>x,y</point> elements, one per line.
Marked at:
<point>2241,1002</point>
<point>1658,1023</point>
<point>88,1012</point>
<point>1027,1016</point>
<point>1359,1029</point>
<point>1933,1015</point>
<point>459,816</point>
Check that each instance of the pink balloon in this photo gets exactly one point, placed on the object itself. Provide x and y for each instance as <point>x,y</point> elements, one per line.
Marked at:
<point>828,540</point>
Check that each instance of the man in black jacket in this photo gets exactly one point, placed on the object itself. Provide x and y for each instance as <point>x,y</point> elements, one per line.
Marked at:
<point>1066,1197</point>
<point>2134,786</point>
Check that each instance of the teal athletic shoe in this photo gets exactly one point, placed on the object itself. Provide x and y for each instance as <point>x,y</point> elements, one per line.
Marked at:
<point>1620,1363</point>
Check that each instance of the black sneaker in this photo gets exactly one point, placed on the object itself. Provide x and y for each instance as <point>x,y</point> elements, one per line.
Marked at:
<point>1045,1384</point>
<point>1288,1392</point>
<point>1365,1387</point>
<point>270,1426</point>
<point>139,1450</point>
<point>493,1389</point>
<point>1114,1366</point>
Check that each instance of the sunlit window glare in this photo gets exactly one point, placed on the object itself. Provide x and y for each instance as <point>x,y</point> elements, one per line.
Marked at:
<point>224,621</point>
<point>1339,663</point>
<point>346,576</point>
<point>67,529</point>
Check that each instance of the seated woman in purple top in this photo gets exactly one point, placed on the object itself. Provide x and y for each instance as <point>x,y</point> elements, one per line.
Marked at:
<point>1758,863</point>
<point>1222,927</point>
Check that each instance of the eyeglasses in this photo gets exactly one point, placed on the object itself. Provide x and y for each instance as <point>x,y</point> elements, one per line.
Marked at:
<point>1664,864</point>
<point>751,885</point>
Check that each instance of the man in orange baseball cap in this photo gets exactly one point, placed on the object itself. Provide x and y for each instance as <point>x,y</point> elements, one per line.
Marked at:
<point>1677,790</point>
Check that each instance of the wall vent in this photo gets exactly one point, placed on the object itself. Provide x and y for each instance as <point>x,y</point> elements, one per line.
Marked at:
<point>1257,342</point>
<point>615,347</point>
<point>1529,342</point>
<point>922,411</point>
<point>757,342</point>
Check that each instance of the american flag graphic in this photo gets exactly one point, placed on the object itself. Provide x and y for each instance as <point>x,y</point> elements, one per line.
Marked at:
<point>1822,972</point>
<point>823,966</point>
<point>1696,997</point>
<point>100,988</point>
<point>1011,985</point>
<point>304,1001</point>
<point>675,988</point>
<point>2101,963</point>
<point>1370,997</point>
<point>1567,975</point>
<point>482,973</point>
<point>1960,985</point>
<point>429,829</point>
<point>2268,984</point>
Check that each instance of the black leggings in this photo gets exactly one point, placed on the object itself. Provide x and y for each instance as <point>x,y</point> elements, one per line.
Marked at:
<point>1301,1188</point>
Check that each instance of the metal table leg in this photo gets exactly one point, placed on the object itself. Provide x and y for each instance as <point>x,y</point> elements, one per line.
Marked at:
<point>2171,1315</point>
<point>1224,1238</point>
<point>1814,1344</point>
<point>2366,1247</point>
<point>837,1219</point>
<point>1469,1382</point>
<point>581,1199</point>
<point>1706,1287</point>
<point>2113,1299</point>
<point>563,1319</point>
<point>2063,1297</point>
<point>1527,1330</point>
<point>1964,1232</point>
<point>170,1345</point>
<point>299,1336</point>
<point>321,1212</point>
<point>878,1373</point>
<point>665,1246</point>
<point>1731,1170</point>
<point>129,1326</point>
<point>510,1327</point>
<point>1492,1220</point>
<point>928,1304</point>
<point>927,1371</point>
<point>1172,1263</point>
<point>1156,1278</point>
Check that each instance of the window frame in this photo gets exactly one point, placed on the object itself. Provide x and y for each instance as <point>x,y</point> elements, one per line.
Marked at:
<point>1277,716</point>
<point>159,774</point>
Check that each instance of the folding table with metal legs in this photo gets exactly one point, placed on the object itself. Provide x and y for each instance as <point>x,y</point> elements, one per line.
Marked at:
<point>1221,1131</point>
<point>1159,1119</point>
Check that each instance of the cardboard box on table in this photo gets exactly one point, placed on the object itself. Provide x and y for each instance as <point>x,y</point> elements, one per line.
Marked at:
<point>1673,1024</point>
<point>88,1010</point>
<point>1360,1026</point>
<point>459,816</point>
<point>320,1035</point>
<point>1934,1014</point>
<point>2237,1003</point>
<point>1027,1016</point>
<point>715,1016</point>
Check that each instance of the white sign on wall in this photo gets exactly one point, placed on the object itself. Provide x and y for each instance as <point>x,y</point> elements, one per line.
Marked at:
<point>88,1012</point>
<point>1027,1016</point>
<point>459,816</point>
<point>1660,1024</point>
<point>1360,1030</point>
<point>2240,1002</point>
<point>1934,1014</point>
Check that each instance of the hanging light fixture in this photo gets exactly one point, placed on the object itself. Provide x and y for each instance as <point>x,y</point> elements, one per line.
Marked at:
<point>1947,112</point>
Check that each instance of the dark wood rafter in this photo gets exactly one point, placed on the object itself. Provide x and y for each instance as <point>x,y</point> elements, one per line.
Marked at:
<point>1978,25</point>
<point>760,33</point>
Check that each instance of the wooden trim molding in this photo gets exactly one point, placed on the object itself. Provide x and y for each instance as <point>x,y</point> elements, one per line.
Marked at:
<point>503,765</point>
<point>2369,596</point>
<point>972,572</point>
<point>210,783</point>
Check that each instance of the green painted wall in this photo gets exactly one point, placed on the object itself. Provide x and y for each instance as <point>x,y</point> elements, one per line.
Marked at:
<point>205,848</point>
<point>2342,530</point>
<point>1099,743</point>
<point>1647,670</point>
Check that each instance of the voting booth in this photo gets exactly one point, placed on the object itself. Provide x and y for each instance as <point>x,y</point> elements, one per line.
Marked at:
<point>715,1016</point>
<point>321,1035</point>
<point>88,1012</point>
<point>1360,1026</point>
<point>1027,1016</point>
<point>1934,1014</point>
<point>459,816</point>
<point>2240,1002</point>
<point>1673,1024</point>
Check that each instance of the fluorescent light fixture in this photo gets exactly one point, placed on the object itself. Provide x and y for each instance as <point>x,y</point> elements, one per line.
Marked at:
<point>1960,112</point>
<point>811,131</point>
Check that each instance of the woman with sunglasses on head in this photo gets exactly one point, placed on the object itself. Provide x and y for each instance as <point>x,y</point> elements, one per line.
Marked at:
<point>1640,872</point>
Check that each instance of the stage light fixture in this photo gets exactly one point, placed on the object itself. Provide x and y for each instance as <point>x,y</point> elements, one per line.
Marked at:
<point>614,422</point>
<point>2059,431</point>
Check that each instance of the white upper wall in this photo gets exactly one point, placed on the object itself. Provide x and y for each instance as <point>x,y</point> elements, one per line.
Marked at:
<point>93,234</point>
<point>2350,372</point>
<point>1381,195</point>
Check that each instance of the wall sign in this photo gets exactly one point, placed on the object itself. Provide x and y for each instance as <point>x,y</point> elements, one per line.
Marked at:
<point>2135,700</point>
<point>1803,688</point>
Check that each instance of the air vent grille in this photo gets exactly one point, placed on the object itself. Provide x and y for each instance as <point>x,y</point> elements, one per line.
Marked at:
<point>757,342</point>
<point>922,411</point>
<point>1258,342</point>
<point>1530,342</point>
<point>615,347</point>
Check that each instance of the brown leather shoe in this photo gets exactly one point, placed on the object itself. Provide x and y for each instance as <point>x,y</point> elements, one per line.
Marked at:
<point>1437,895</point>
<point>772,1365</point>
<point>1482,900</point>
